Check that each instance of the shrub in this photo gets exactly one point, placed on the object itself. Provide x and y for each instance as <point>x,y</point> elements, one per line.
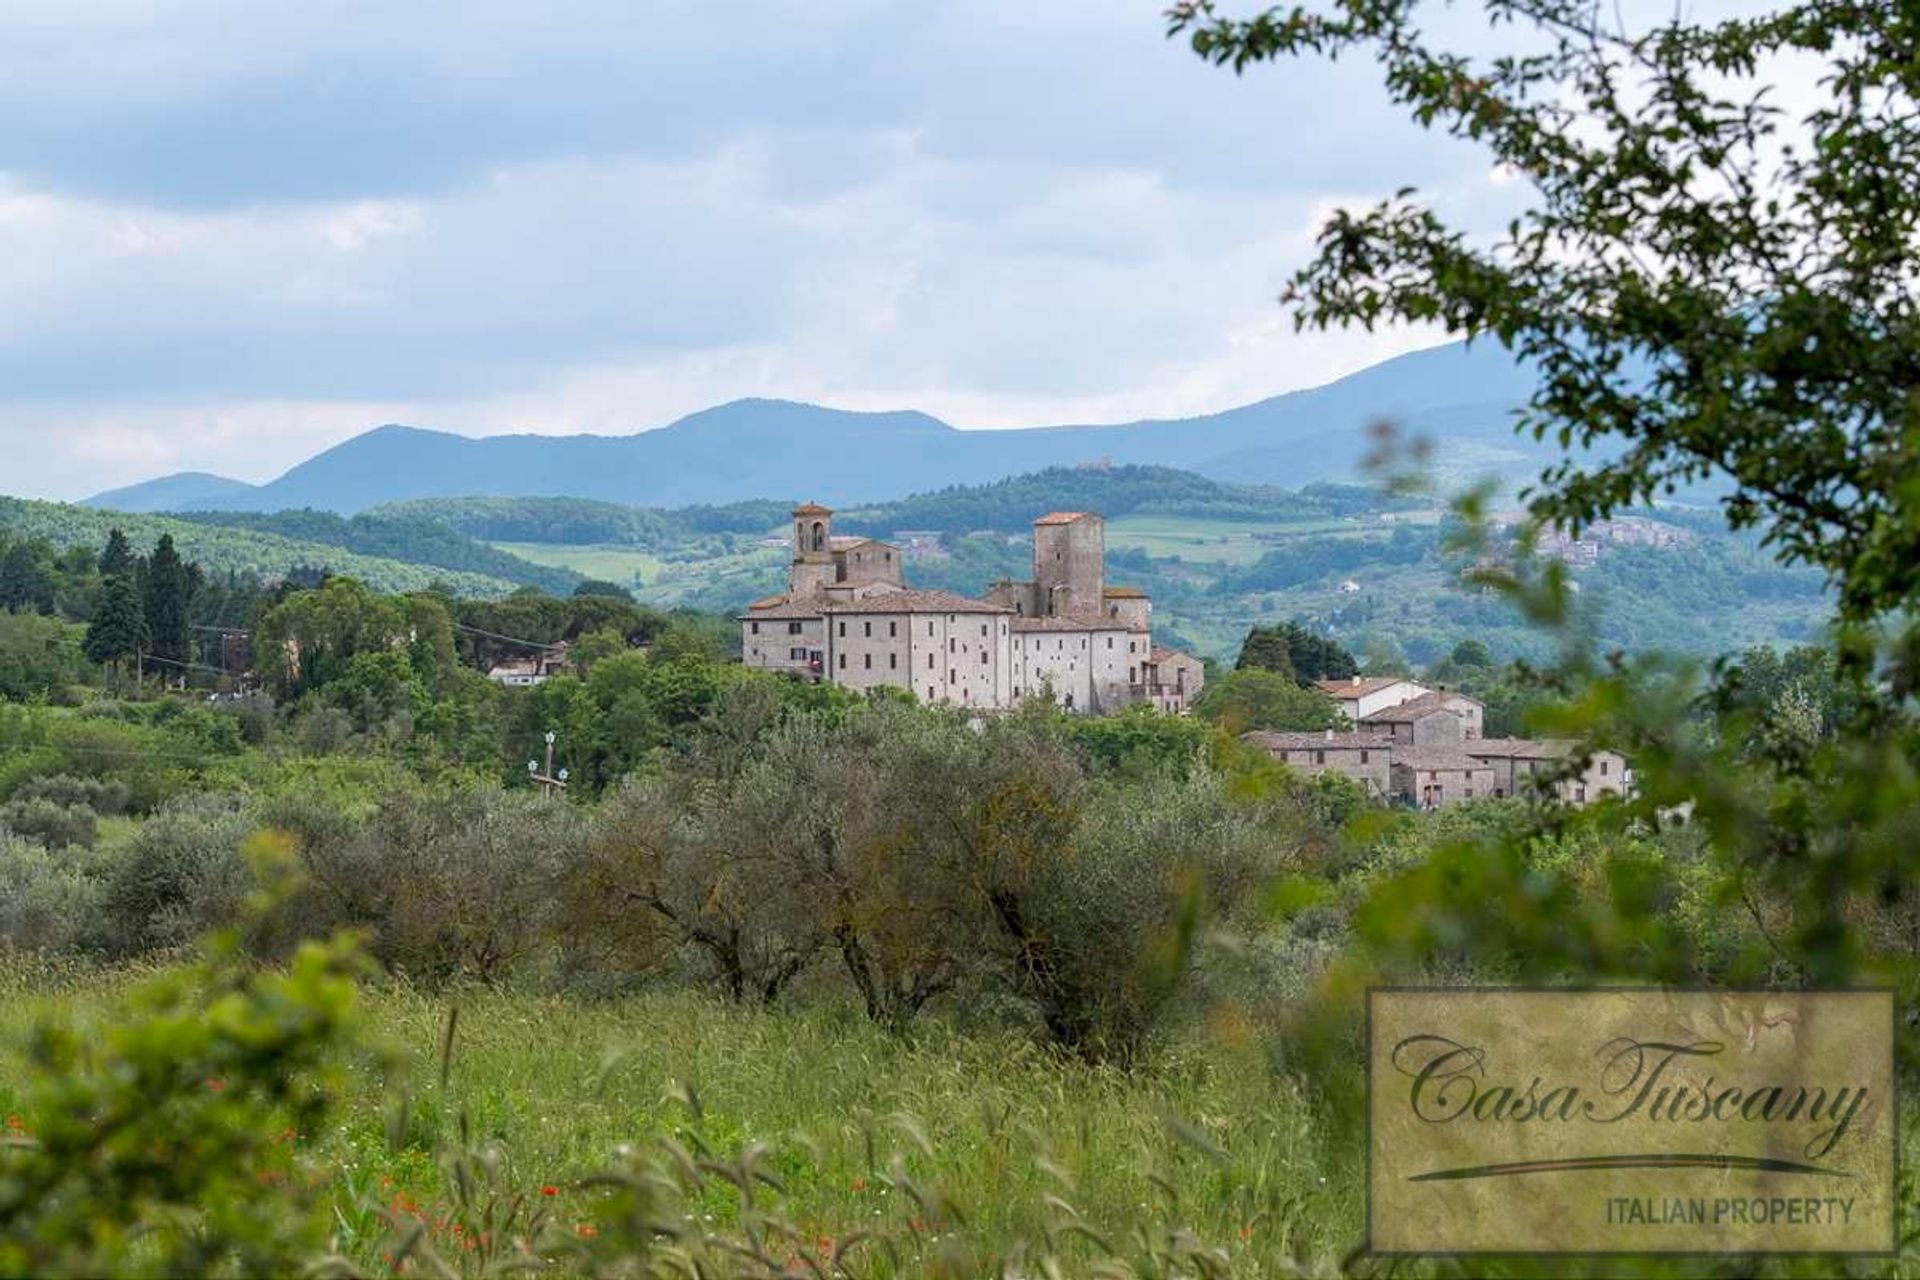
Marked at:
<point>181,874</point>
<point>46,903</point>
<point>57,826</point>
<point>104,796</point>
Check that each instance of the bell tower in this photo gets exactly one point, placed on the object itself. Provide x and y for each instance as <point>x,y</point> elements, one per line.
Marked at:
<point>812,566</point>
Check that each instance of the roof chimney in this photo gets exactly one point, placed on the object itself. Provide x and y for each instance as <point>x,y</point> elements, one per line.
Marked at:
<point>1329,735</point>
<point>1356,679</point>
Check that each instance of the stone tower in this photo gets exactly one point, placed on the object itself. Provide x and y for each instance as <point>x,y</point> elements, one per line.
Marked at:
<point>812,566</point>
<point>1069,563</point>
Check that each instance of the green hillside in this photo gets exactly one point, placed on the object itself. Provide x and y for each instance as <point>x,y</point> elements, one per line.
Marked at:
<point>415,539</point>
<point>221,550</point>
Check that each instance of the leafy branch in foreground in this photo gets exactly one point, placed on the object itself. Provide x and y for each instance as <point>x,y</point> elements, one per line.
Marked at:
<point>1708,286</point>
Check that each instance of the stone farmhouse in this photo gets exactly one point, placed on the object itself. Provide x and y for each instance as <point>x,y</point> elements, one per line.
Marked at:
<point>1424,747</point>
<point>848,616</point>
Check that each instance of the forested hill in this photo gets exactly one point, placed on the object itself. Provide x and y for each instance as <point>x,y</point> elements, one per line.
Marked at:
<point>1009,506</point>
<point>415,539</point>
<point>218,549</point>
<point>1003,505</point>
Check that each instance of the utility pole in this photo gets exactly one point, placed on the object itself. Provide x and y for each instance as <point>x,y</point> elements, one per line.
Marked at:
<point>547,780</point>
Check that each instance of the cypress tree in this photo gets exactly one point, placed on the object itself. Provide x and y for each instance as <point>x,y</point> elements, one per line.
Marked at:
<point>168,589</point>
<point>119,627</point>
<point>117,559</point>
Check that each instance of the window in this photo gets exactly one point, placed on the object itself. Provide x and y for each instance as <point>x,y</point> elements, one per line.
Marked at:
<point>843,629</point>
<point>929,693</point>
<point>756,628</point>
<point>1363,757</point>
<point>953,677</point>
<point>893,629</point>
<point>953,646</point>
<point>929,626</point>
<point>1319,757</point>
<point>893,662</point>
<point>797,654</point>
<point>793,628</point>
<point>843,662</point>
<point>983,631</point>
<point>1109,642</point>
<point>929,662</point>
<point>1603,768</point>
<point>869,629</point>
<point>983,655</point>
<point>868,663</point>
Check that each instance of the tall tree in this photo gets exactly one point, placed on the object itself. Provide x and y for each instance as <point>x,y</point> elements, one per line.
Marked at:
<point>168,591</point>
<point>118,556</point>
<point>118,632</point>
<point>26,583</point>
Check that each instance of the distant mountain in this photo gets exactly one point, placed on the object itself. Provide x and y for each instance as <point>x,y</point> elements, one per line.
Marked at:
<point>1459,398</point>
<point>181,491</point>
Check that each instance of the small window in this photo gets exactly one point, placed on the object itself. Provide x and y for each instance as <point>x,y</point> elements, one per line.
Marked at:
<point>843,662</point>
<point>793,628</point>
<point>1109,642</point>
<point>1363,757</point>
<point>1319,757</point>
<point>893,629</point>
<point>756,628</point>
<point>869,629</point>
<point>983,631</point>
<point>893,662</point>
<point>953,646</point>
<point>843,628</point>
<point>869,662</point>
<point>1603,768</point>
<point>929,626</point>
<point>983,655</point>
<point>929,662</point>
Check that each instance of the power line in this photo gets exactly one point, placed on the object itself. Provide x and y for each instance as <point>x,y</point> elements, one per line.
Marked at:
<point>495,635</point>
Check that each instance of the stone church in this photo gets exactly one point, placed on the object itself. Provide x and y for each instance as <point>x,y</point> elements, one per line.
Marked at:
<point>849,616</point>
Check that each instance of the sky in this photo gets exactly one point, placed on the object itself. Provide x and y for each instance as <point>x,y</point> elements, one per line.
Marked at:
<point>236,232</point>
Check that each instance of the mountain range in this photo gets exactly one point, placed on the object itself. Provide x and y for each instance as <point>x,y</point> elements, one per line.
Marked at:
<point>1460,399</point>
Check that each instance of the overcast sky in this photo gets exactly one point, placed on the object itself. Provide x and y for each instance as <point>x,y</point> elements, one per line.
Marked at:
<point>233,232</point>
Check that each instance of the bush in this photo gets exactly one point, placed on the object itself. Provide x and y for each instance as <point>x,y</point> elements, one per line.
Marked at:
<point>57,826</point>
<point>46,902</point>
<point>181,875</point>
<point>105,797</point>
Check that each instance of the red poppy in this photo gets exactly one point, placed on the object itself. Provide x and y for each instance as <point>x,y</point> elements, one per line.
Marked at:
<point>549,1190</point>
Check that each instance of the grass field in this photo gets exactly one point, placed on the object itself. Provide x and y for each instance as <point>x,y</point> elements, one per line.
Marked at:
<point>1229,542</point>
<point>627,566</point>
<point>1022,1143</point>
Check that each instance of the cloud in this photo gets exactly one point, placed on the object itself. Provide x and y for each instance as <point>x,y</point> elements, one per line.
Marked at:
<point>239,232</point>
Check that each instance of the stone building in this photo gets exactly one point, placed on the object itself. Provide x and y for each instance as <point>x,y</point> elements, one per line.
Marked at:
<point>1361,696</point>
<point>1428,752</point>
<point>848,616</point>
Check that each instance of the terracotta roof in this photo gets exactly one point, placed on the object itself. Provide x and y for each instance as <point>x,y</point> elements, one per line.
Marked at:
<point>812,509</point>
<point>783,607</point>
<point>1163,654</point>
<point>1124,593</point>
<point>1065,517</point>
<point>1069,622</point>
<point>846,542</point>
<point>912,600</point>
<point>1518,748</point>
<point>1414,708</point>
<point>1359,686</point>
<point>1437,759</point>
<point>1276,741</point>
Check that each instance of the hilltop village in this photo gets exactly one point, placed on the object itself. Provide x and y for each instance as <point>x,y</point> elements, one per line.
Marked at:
<point>849,617</point>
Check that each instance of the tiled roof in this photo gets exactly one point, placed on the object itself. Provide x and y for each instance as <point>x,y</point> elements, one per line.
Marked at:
<point>1069,622</point>
<point>1163,654</point>
<point>1124,593</point>
<point>1437,759</point>
<point>846,542</point>
<point>1275,741</point>
<point>812,509</point>
<point>912,600</point>
<point>1064,517</point>
<point>785,611</point>
<point>768,602</point>
<point>1414,708</point>
<point>1359,686</point>
<point>1518,748</point>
